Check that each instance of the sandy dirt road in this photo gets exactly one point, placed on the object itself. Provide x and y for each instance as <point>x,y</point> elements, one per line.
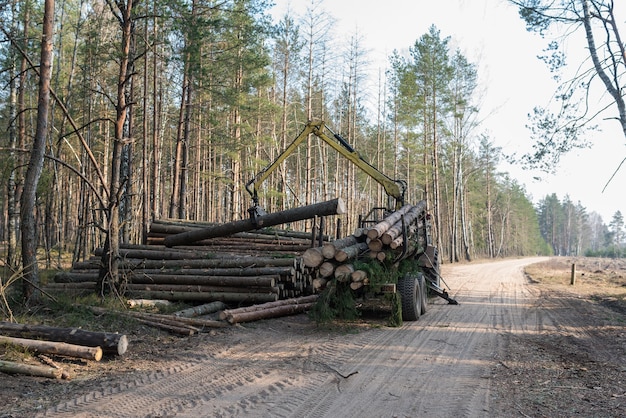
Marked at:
<point>438,366</point>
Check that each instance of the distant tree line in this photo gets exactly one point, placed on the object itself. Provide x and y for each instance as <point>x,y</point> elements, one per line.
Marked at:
<point>570,231</point>
<point>165,109</point>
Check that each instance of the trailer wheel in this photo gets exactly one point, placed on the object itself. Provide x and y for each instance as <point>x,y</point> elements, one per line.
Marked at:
<point>423,293</point>
<point>411,297</point>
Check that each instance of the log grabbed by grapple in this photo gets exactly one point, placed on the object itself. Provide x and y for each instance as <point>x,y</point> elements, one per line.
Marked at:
<point>331,207</point>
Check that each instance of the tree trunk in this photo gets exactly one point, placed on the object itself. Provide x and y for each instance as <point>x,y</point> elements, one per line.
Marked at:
<point>207,296</point>
<point>199,288</point>
<point>204,309</point>
<point>326,269</point>
<point>226,314</point>
<point>343,273</point>
<point>397,229</point>
<point>35,165</point>
<point>109,274</point>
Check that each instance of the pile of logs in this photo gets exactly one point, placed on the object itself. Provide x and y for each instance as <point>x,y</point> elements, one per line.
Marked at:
<point>334,260</point>
<point>68,342</point>
<point>388,240</point>
<point>396,231</point>
<point>198,274</point>
<point>241,262</point>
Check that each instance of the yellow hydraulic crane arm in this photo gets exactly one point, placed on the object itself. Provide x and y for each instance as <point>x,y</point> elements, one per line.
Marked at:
<point>394,188</point>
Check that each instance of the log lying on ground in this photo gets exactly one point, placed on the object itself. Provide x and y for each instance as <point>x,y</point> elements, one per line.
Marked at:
<point>53,347</point>
<point>30,370</point>
<point>333,207</point>
<point>269,313</point>
<point>139,303</point>
<point>174,324</point>
<point>204,309</point>
<point>47,360</point>
<point>110,343</point>
<point>268,310</point>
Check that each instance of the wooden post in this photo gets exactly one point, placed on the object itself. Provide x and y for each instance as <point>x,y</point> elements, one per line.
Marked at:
<point>573,278</point>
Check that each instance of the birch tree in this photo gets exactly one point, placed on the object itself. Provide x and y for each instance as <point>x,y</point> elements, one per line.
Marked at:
<point>592,29</point>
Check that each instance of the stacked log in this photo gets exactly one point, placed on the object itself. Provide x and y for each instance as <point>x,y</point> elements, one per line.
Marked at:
<point>395,231</point>
<point>194,275</point>
<point>384,242</point>
<point>334,259</point>
<point>241,262</point>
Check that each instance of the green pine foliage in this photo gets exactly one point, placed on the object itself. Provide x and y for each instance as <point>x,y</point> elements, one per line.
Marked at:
<point>335,302</point>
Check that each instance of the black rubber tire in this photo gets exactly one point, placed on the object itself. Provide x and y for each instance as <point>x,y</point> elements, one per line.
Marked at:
<point>410,295</point>
<point>423,294</point>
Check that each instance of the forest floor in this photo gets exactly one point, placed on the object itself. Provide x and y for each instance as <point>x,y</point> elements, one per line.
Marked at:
<point>522,343</point>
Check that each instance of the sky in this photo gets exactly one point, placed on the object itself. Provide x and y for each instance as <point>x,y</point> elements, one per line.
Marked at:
<point>512,82</point>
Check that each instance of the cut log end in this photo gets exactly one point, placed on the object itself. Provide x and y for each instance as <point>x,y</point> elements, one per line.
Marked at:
<point>122,345</point>
<point>341,206</point>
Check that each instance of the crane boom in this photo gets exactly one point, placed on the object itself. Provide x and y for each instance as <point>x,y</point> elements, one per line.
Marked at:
<point>394,188</point>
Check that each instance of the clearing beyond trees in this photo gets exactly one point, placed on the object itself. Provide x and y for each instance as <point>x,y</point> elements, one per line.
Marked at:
<point>517,345</point>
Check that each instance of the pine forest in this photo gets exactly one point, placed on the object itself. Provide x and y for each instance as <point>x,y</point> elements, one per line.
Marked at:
<point>166,109</point>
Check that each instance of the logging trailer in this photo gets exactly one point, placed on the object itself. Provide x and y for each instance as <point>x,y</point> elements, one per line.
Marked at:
<point>417,263</point>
